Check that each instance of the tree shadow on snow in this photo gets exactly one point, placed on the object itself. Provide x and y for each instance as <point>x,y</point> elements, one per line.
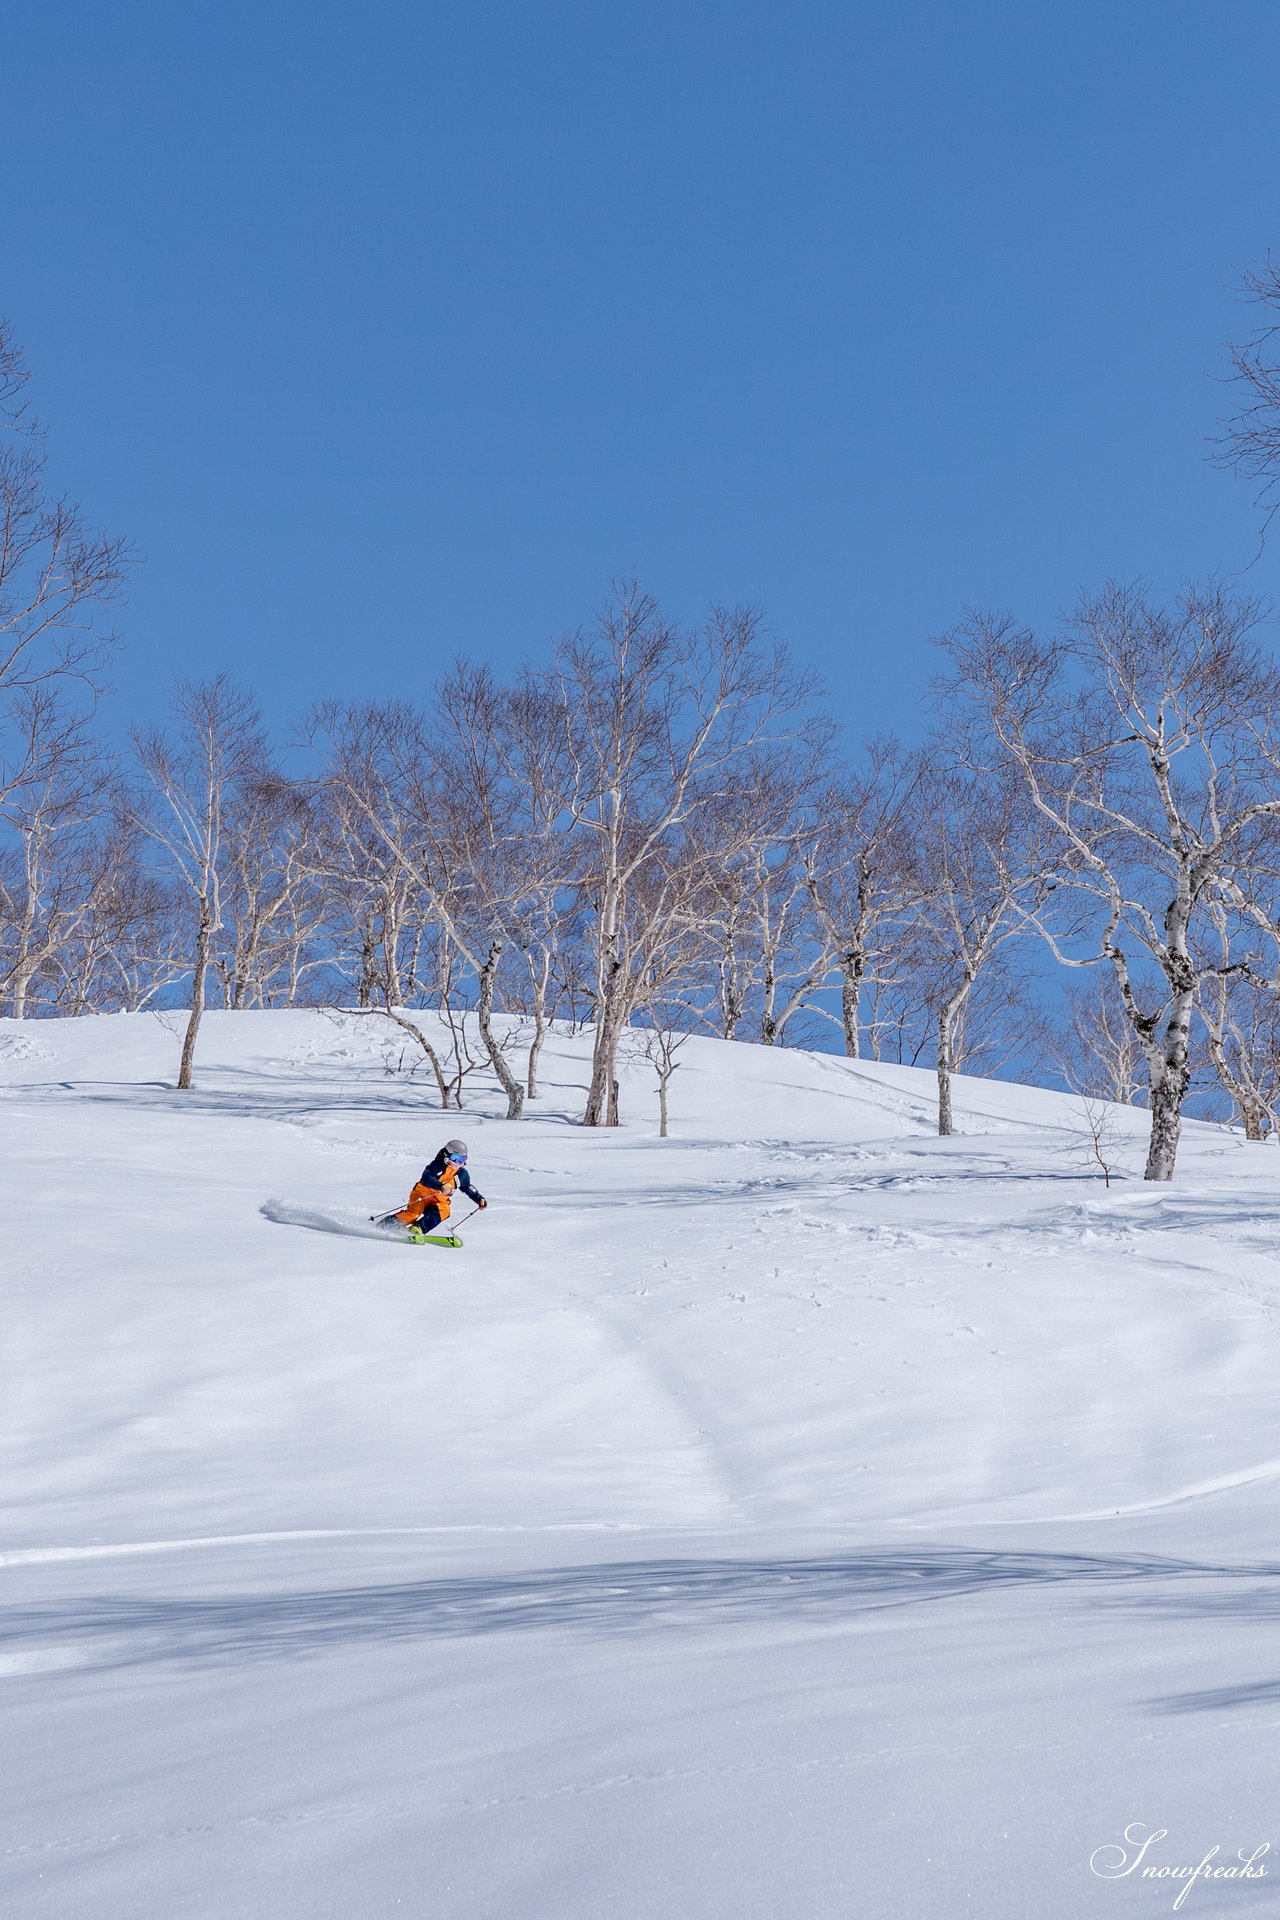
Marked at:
<point>1214,1699</point>
<point>1256,1602</point>
<point>600,1601</point>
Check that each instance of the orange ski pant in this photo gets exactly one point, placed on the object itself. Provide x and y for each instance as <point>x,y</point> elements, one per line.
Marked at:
<point>420,1200</point>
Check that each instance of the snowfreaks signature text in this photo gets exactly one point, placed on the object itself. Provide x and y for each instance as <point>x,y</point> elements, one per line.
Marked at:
<point>1117,1862</point>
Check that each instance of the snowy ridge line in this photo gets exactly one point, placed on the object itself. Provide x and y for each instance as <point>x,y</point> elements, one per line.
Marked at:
<point>1223,1483</point>
<point>32,1556</point>
<point>1199,1490</point>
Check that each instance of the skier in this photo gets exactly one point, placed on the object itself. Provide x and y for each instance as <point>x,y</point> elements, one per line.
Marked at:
<point>432,1196</point>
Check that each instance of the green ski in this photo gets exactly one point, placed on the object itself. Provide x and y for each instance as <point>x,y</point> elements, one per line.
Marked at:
<point>433,1239</point>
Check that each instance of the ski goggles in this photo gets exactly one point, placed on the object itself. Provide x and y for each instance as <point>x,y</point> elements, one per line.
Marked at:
<point>457,1159</point>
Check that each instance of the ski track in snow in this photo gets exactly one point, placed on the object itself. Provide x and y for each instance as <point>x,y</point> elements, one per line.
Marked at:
<point>350,1220</point>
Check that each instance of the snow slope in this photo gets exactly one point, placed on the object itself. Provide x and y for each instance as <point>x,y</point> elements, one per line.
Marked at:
<point>800,1516</point>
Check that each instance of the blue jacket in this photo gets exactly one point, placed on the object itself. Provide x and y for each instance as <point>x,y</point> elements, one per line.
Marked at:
<point>433,1176</point>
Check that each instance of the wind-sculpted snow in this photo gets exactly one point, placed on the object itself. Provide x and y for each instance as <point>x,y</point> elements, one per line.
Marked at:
<point>799,1516</point>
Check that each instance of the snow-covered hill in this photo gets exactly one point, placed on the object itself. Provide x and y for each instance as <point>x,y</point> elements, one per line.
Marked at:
<point>798,1516</point>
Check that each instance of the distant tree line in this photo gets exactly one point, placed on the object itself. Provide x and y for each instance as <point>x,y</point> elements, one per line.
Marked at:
<point>656,832</point>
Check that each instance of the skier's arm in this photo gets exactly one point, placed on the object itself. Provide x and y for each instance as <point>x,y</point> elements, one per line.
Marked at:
<point>470,1189</point>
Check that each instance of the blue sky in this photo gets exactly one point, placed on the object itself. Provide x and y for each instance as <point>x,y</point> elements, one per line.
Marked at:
<point>393,331</point>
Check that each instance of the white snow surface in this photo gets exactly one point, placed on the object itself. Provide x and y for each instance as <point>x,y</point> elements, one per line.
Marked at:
<point>801,1516</point>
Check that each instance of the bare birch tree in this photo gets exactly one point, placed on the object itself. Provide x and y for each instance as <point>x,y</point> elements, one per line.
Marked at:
<point>1239,998</point>
<point>56,865</point>
<point>1097,1051</point>
<point>192,774</point>
<point>656,726</point>
<point>982,861</point>
<point>57,573</point>
<point>1242,1029</point>
<point>1250,441</point>
<point>862,877</point>
<point>126,950</point>
<point>765,949</point>
<point>1145,738</point>
<point>541,914</point>
<point>273,902</point>
<point>387,766</point>
<point>661,1043</point>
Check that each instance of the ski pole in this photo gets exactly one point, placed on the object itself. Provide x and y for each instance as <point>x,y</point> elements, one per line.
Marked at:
<point>469,1216</point>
